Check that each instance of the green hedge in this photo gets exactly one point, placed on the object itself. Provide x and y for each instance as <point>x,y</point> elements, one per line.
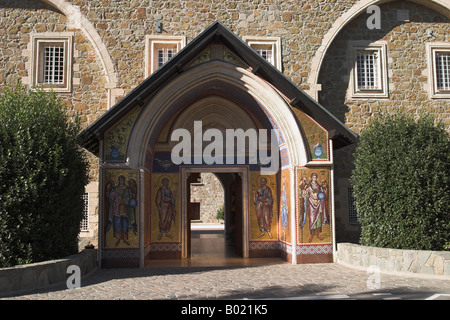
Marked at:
<point>401,183</point>
<point>43,174</point>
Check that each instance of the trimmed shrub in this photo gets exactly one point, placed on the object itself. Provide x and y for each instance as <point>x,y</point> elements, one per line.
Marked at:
<point>401,183</point>
<point>43,173</point>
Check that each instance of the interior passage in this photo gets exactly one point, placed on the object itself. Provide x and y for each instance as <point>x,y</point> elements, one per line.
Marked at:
<point>211,248</point>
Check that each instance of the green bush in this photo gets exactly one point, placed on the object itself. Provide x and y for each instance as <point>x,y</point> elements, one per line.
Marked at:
<point>401,183</point>
<point>220,213</point>
<point>447,246</point>
<point>43,173</point>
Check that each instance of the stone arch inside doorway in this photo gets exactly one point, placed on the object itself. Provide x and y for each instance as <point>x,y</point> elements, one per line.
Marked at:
<point>234,241</point>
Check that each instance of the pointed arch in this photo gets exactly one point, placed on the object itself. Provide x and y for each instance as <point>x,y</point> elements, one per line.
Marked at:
<point>276,108</point>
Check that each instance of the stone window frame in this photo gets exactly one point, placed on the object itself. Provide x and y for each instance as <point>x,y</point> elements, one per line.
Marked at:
<point>151,43</point>
<point>37,44</point>
<point>380,47</point>
<point>432,49</point>
<point>273,42</point>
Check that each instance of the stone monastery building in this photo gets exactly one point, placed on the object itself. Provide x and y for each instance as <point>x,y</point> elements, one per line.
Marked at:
<point>299,80</point>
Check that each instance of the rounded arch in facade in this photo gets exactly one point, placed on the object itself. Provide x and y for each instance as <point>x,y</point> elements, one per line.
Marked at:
<point>77,20</point>
<point>442,6</point>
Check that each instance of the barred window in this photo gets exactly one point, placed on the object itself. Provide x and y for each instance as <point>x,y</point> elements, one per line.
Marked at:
<point>368,70</point>
<point>352,214</point>
<point>439,69</point>
<point>165,54</point>
<point>442,61</point>
<point>53,64</point>
<point>85,221</point>
<point>265,51</point>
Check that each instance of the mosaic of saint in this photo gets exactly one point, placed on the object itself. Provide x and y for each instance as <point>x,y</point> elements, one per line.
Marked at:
<point>313,205</point>
<point>284,206</point>
<point>165,221</point>
<point>120,208</point>
<point>263,208</point>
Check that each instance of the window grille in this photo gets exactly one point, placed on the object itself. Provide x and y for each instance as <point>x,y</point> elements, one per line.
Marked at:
<point>85,221</point>
<point>443,71</point>
<point>160,49</point>
<point>50,65</point>
<point>267,47</point>
<point>367,66</point>
<point>53,68</point>
<point>352,214</point>
<point>165,54</point>
<point>265,51</point>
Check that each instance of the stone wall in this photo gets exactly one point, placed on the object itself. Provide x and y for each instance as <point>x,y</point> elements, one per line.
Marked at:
<point>407,66</point>
<point>124,24</point>
<point>301,25</point>
<point>210,194</point>
<point>414,262</point>
<point>18,279</point>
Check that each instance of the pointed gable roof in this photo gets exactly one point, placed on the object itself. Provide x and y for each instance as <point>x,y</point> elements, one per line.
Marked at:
<point>217,33</point>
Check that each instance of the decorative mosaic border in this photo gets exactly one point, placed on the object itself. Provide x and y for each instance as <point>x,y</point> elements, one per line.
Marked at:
<point>271,245</point>
<point>314,249</point>
<point>120,254</point>
<point>264,245</point>
<point>287,248</point>
<point>166,246</point>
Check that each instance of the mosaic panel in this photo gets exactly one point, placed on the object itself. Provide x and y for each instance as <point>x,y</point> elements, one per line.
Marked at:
<point>116,138</point>
<point>263,207</point>
<point>313,205</point>
<point>121,208</point>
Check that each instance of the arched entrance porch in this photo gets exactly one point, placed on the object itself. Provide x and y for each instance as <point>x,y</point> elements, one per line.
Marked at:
<point>218,103</point>
<point>217,83</point>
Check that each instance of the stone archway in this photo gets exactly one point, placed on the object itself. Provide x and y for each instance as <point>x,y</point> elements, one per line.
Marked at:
<point>208,88</point>
<point>216,112</point>
<point>209,194</point>
<point>304,136</point>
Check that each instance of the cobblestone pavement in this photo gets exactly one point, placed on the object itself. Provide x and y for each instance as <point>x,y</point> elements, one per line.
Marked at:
<point>278,281</point>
